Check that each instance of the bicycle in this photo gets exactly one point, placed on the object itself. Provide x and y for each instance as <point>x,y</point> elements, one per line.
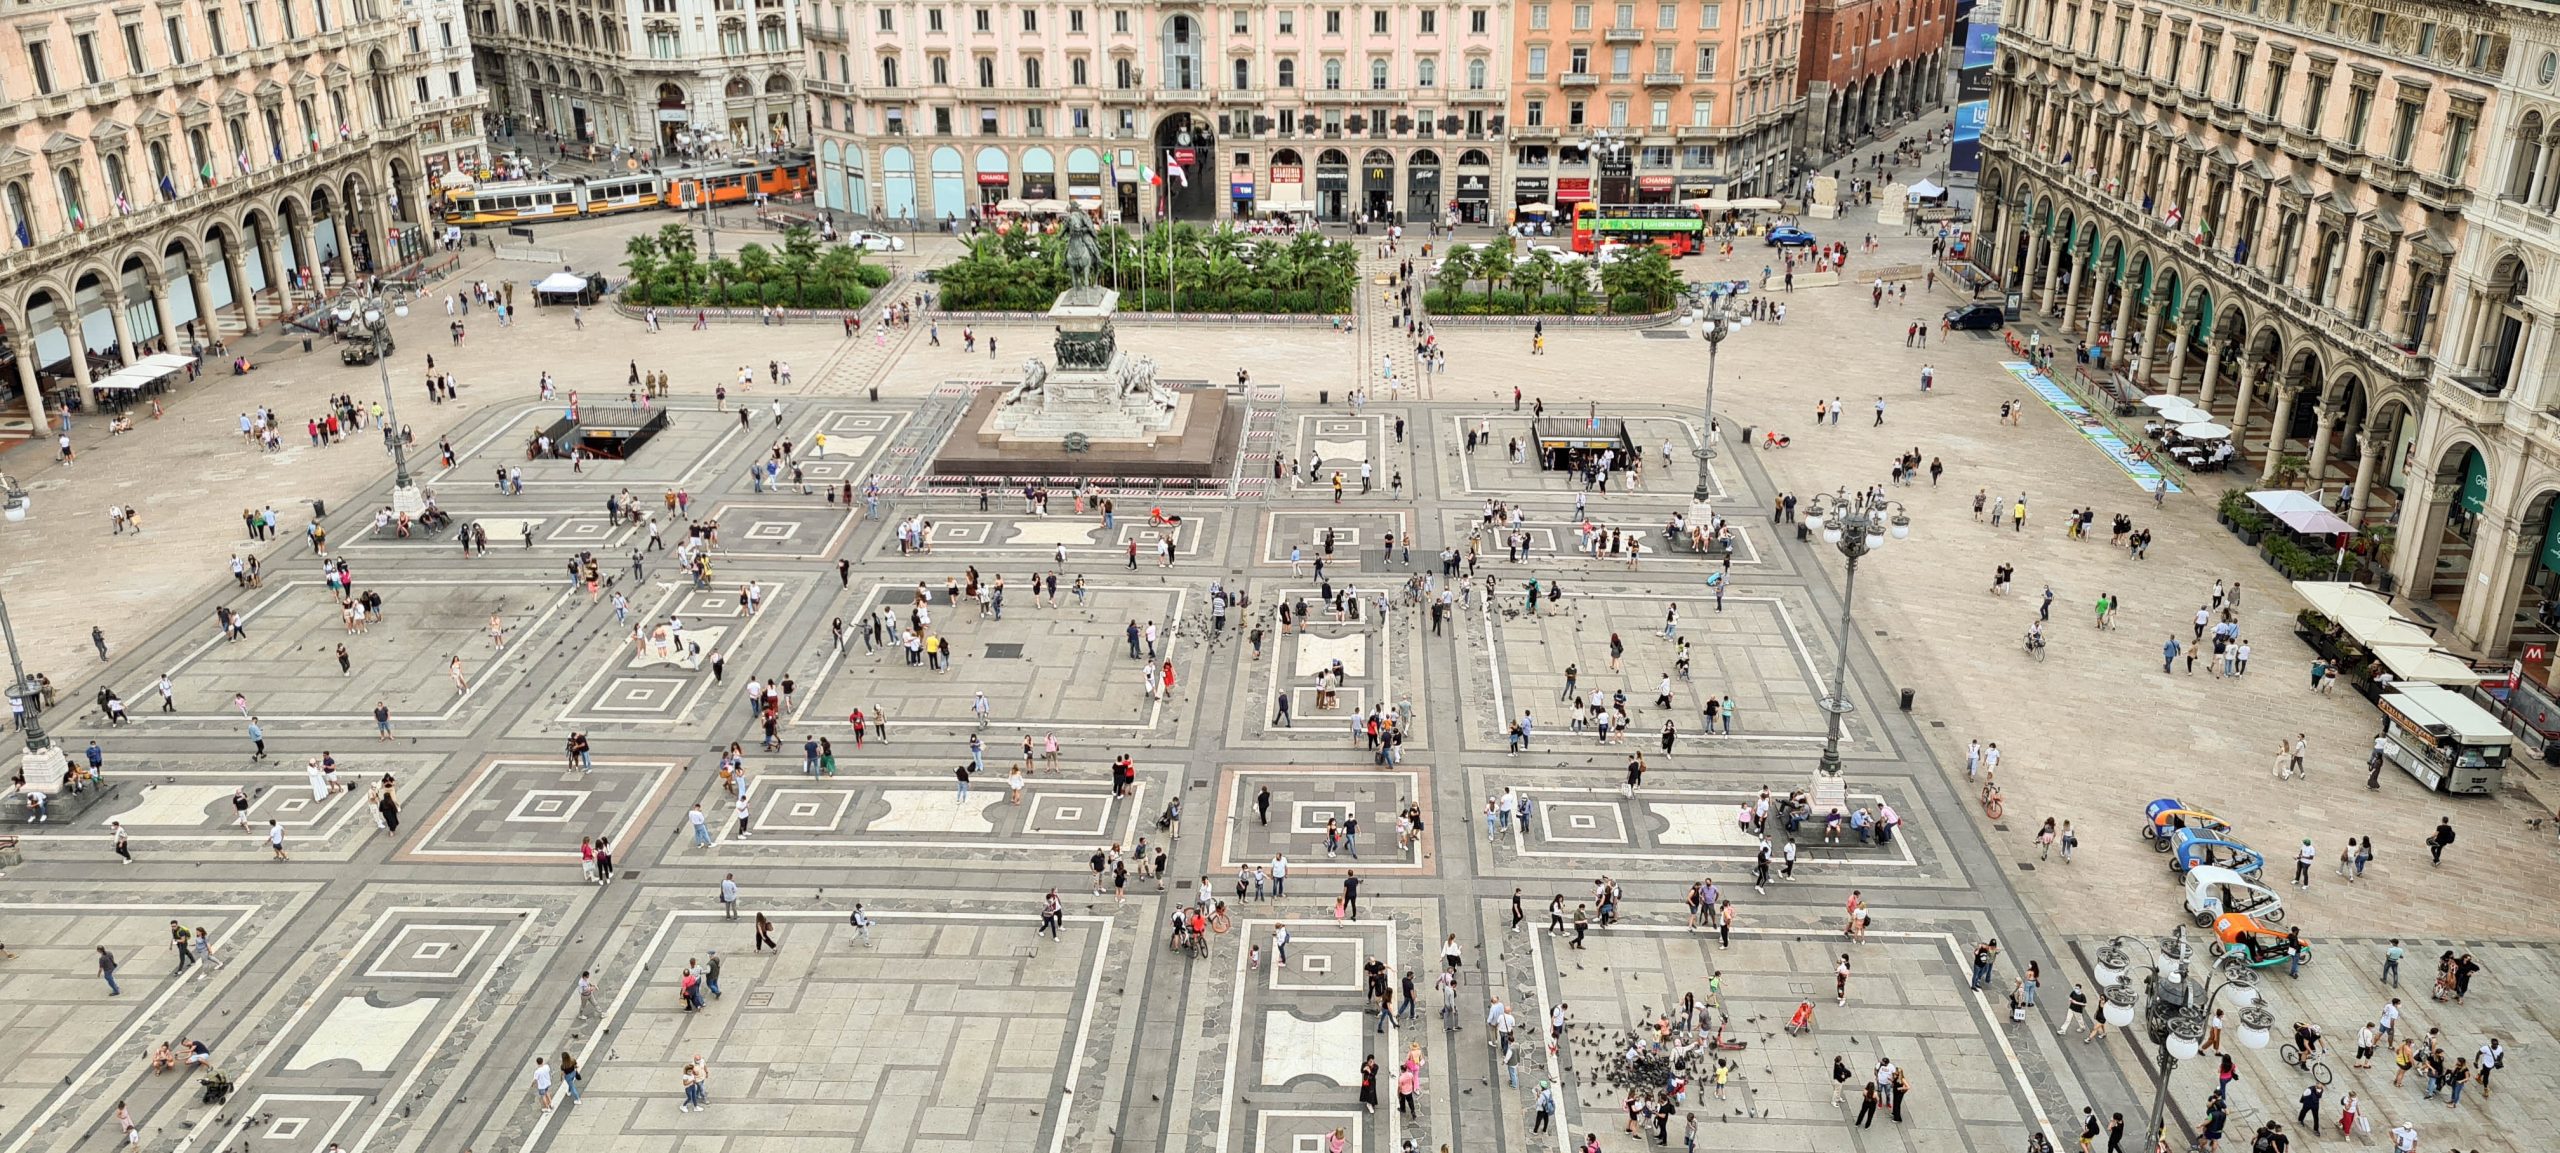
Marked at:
<point>1991,805</point>
<point>2293,1056</point>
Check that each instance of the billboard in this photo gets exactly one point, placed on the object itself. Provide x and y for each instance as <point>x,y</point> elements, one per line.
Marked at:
<point>1973,85</point>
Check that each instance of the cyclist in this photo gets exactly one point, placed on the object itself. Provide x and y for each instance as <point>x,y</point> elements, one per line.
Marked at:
<point>2306,1041</point>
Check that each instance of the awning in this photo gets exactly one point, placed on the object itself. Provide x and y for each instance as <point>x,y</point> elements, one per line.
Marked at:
<point>2299,511</point>
<point>563,283</point>
<point>1927,188</point>
<point>1756,204</point>
<point>2365,616</point>
<point>2431,666</point>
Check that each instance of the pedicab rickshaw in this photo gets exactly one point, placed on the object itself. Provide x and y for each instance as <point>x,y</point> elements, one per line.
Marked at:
<point>2195,847</point>
<point>2164,817</point>
<point>2213,890</point>
<point>2251,943</point>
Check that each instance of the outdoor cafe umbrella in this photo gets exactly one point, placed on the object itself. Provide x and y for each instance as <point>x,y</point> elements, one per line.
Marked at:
<point>1707,203</point>
<point>2203,430</point>
<point>1756,204</point>
<point>2166,401</point>
<point>1538,208</point>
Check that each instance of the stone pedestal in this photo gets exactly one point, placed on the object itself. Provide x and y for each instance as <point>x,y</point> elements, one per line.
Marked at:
<point>45,770</point>
<point>408,500</point>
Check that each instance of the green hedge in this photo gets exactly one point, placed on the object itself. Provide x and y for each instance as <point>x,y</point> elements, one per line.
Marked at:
<point>1506,302</point>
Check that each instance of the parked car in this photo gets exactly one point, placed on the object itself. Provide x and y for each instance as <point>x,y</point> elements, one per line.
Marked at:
<point>876,241</point>
<point>1981,315</point>
<point>1790,236</point>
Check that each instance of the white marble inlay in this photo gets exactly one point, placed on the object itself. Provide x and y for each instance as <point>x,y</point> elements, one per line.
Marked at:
<point>1317,653</point>
<point>1049,532</point>
<point>1293,1048</point>
<point>936,811</point>
<point>1330,451</point>
<point>371,1036</point>
<point>186,805</point>
<point>1701,825</point>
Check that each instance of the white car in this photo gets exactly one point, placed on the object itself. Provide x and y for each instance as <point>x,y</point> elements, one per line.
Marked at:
<point>876,241</point>
<point>1557,252</point>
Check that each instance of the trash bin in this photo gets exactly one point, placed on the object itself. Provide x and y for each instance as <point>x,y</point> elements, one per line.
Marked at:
<point>306,344</point>
<point>319,510</point>
<point>1906,700</point>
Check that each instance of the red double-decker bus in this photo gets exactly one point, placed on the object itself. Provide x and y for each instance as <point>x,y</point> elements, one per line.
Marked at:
<point>1674,229</point>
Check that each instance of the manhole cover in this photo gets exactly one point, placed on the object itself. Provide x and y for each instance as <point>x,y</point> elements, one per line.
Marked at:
<point>1937,724</point>
<point>2026,866</point>
<point>759,1000</point>
<point>1004,652</point>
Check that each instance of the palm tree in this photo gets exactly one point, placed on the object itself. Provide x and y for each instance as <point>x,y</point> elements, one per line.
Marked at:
<point>1495,266</point>
<point>836,275</point>
<point>1651,278</point>
<point>681,271</point>
<point>1573,282</point>
<point>797,260</point>
<point>640,258</point>
<point>1456,269</point>
<point>1535,274</point>
<point>755,267</point>
<point>722,274</point>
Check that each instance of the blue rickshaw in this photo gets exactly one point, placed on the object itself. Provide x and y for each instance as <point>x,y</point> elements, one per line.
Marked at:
<point>2164,817</point>
<point>2193,847</point>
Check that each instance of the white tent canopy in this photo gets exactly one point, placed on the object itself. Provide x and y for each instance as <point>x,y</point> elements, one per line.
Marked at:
<point>2431,666</point>
<point>2409,651</point>
<point>562,282</point>
<point>145,372</point>
<point>1926,189</point>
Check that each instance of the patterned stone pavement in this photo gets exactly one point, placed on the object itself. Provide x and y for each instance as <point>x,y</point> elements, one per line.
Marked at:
<point>388,990</point>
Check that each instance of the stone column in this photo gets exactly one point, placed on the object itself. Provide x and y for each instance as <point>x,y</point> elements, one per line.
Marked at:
<point>199,278</point>
<point>2323,426</point>
<point>2275,434</point>
<point>160,314</point>
<point>2150,352</point>
<point>123,326</point>
<point>279,258</point>
<point>2212,372</point>
<point>2178,357</point>
<point>346,245</point>
<point>237,269</point>
<point>2079,271</point>
<point>2052,271</point>
<point>24,350</point>
<point>2240,404</point>
<point>2125,292</point>
<point>2370,454</point>
<point>79,348</point>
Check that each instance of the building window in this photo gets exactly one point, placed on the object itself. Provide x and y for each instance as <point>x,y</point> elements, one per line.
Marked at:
<point>983,20</point>
<point>932,20</point>
<point>2277,74</point>
<point>423,95</point>
<point>1538,17</point>
<point>942,122</point>
<point>1581,16</point>
<point>2404,133</point>
<point>87,45</point>
<point>1711,14</point>
<point>1617,114</point>
<point>222,44</point>
<point>1475,75</point>
<point>1621,59</point>
<point>1288,22</point>
<point>1581,60</point>
<point>1377,74</point>
<point>135,62</point>
<point>1333,75</point>
<point>1288,71</point>
<point>1430,22</point>
<point>1031,72</point>
<point>1662,57</point>
<point>1537,63</point>
<point>1702,111</point>
<point>941,67</point>
<point>40,66</point>
<point>1706,62</point>
<point>1378,22</point>
<point>2359,114</point>
<point>1666,17</point>
<point>889,20</point>
<point>1123,75</point>
<point>177,29</point>
<point>986,72</point>
<point>1333,22</point>
<point>1537,112</point>
<point>1075,21</point>
<point>2457,148</point>
<point>1661,114</point>
<point>1120,22</point>
<point>1076,72</point>
<point>888,72</point>
<point>1244,73</point>
<point>1035,120</point>
<point>1573,113</point>
<point>1030,19</point>
<point>1477,21</point>
<point>1426,72</point>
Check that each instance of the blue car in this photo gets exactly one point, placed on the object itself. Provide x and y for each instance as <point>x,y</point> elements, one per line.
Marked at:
<point>1790,236</point>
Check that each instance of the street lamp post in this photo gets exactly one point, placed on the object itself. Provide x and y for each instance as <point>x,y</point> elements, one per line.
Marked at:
<point>2179,1006</point>
<point>1715,325</point>
<point>1855,525</point>
<point>406,498</point>
<point>43,765</point>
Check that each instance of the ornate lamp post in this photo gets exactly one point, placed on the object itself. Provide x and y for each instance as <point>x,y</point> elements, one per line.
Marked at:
<point>1715,324</point>
<point>376,313</point>
<point>43,764</point>
<point>2179,1006</point>
<point>1855,525</point>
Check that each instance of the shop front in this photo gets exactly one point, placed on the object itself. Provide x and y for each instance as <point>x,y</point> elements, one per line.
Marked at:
<point>995,177</point>
<point>950,187</point>
<point>1530,194</point>
<point>1655,189</point>
<point>1288,180</point>
<point>1240,192</point>
<point>1422,188</point>
<point>1474,190</point>
<point>1378,185</point>
<point>1569,445</point>
<point>898,183</point>
<point>1570,191</point>
<point>1333,186</point>
<point>1039,175</point>
<point>1084,178</point>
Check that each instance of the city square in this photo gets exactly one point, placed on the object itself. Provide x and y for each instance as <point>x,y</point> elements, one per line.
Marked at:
<point>959,753</point>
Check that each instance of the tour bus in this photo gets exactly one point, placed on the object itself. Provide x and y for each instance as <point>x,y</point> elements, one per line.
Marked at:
<point>529,201</point>
<point>1675,229</point>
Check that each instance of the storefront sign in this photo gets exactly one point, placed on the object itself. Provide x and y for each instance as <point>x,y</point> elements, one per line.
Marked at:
<point>1653,183</point>
<point>1040,186</point>
<point>1472,186</point>
<point>1573,188</point>
<point>1240,189</point>
<point>1333,182</point>
<point>995,178</point>
<point>1288,174</point>
<point>1529,188</point>
<point>1185,157</point>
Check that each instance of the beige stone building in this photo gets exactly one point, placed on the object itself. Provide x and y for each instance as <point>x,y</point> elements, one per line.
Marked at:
<point>1653,101</point>
<point>173,167</point>
<point>1393,109</point>
<point>661,75</point>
